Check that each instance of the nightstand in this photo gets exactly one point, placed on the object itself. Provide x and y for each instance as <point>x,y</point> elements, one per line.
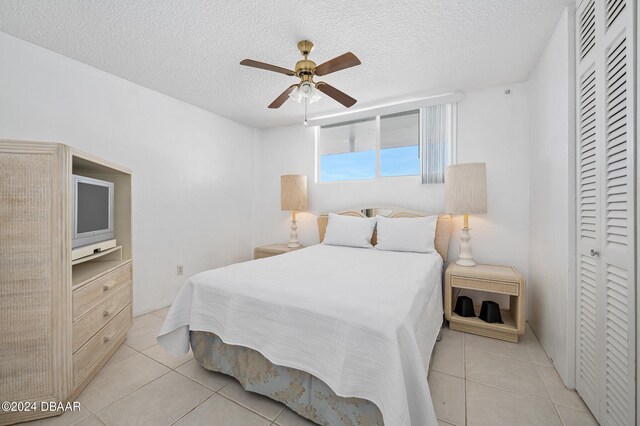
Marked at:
<point>272,250</point>
<point>491,279</point>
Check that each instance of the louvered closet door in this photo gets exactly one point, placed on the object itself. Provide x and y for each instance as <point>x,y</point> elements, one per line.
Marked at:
<point>605,332</point>
<point>588,197</point>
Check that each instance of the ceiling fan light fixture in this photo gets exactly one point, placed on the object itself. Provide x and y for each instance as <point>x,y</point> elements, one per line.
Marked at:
<point>296,95</point>
<point>313,95</point>
<point>310,92</point>
<point>305,91</point>
<point>306,70</point>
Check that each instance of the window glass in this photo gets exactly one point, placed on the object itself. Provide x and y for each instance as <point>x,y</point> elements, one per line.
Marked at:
<point>348,151</point>
<point>400,144</point>
<point>418,142</point>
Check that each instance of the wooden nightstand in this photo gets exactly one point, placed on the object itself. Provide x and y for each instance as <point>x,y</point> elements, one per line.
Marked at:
<point>272,250</point>
<point>492,279</point>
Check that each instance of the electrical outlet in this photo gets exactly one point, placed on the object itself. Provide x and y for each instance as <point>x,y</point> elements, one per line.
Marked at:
<point>180,269</point>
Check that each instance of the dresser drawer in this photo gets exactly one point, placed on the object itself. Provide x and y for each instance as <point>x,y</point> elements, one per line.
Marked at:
<point>98,316</point>
<point>93,293</point>
<point>97,347</point>
<point>486,285</point>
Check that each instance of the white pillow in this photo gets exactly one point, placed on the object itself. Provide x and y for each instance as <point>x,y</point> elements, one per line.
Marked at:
<point>349,231</point>
<point>415,234</point>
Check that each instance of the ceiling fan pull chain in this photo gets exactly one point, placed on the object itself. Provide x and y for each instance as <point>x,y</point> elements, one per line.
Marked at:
<point>306,102</point>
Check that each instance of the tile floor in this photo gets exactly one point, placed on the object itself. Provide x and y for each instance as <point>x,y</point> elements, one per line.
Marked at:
<point>474,381</point>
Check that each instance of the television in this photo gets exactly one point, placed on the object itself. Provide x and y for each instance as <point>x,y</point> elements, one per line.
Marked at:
<point>92,211</point>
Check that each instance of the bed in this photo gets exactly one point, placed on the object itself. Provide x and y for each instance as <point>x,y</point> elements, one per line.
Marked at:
<point>341,335</point>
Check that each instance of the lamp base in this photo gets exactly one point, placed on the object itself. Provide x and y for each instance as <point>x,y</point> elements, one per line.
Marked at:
<point>293,235</point>
<point>465,258</point>
<point>465,262</point>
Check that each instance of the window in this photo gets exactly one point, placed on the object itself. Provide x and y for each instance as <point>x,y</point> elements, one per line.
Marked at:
<point>409,143</point>
<point>400,144</point>
<point>348,151</point>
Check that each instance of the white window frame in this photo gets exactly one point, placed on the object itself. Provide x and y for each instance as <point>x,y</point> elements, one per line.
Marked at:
<point>420,106</point>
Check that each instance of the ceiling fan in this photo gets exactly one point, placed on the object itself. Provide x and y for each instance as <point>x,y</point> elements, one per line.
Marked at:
<point>306,70</point>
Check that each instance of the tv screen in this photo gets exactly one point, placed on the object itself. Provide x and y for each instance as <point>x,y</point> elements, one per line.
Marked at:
<point>93,208</point>
<point>93,214</point>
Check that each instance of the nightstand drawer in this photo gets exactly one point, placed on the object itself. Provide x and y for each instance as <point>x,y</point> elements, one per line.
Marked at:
<point>260,254</point>
<point>486,285</point>
<point>273,250</point>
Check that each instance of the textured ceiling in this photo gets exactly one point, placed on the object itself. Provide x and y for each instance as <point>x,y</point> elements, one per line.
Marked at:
<point>190,49</point>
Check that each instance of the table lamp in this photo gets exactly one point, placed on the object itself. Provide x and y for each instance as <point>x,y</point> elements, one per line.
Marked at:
<point>465,192</point>
<point>293,196</point>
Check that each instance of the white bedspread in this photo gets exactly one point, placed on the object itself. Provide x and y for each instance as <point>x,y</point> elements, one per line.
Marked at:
<point>362,320</point>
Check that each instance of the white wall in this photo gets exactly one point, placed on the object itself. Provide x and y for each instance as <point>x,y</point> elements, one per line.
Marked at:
<point>492,128</point>
<point>551,245</point>
<point>192,170</point>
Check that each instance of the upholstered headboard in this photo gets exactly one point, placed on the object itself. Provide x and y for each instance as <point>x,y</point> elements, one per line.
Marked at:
<point>443,225</point>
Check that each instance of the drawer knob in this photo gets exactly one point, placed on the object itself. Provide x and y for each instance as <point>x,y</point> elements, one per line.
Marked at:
<point>106,339</point>
<point>108,286</point>
<point>106,313</point>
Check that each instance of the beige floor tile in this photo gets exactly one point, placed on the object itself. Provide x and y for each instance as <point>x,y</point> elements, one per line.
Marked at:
<point>123,352</point>
<point>500,347</point>
<point>89,421</point>
<point>159,354</point>
<point>537,353</point>
<point>452,336</point>
<point>141,337</point>
<point>528,333</point>
<point>260,404</point>
<point>558,392</point>
<point>66,419</point>
<point>219,411</point>
<point>443,423</point>
<point>161,313</point>
<point>447,393</point>
<point>291,418</point>
<point>161,402</point>
<point>210,379</point>
<point>503,372</point>
<point>146,320</point>
<point>448,358</point>
<point>533,345</point>
<point>489,406</point>
<point>571,417</point>
<point>119,379</point>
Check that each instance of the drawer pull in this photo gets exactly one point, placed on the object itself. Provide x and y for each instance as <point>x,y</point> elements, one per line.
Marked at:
<point>108,286</point>
<point>106,313</point>
<point>106,339</point>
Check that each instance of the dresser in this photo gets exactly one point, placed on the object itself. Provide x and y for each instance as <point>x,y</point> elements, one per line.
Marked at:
<point>60,319</point>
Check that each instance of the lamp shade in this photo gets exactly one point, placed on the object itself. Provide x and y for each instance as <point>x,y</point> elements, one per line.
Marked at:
<point>465,188</point>
<point>293,192</point>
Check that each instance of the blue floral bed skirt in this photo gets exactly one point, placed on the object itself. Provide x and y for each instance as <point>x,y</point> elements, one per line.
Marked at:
<point>303,393</point>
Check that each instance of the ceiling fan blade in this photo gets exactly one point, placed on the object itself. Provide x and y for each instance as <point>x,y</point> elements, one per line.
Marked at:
<point>277,103</point>
<point>347,60</point>
<point>268,67</point>
<point>336,94</point>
